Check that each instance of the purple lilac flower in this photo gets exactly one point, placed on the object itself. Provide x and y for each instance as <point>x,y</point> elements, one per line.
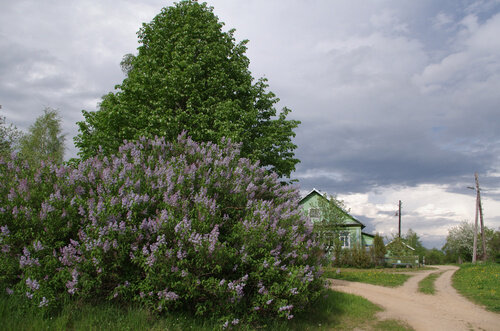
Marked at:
<point>15,211</point>
<point>294,291</point>
<point>37,245</point>
<point>168,295</point>
<point>213,238</point>
<point>26,260</point>
<point>195,239</point>
<point>23,186</point>
<point>71,284</point>
<point>235,321</point>
<point>9,291</point>
<point>32,284</point>
<point>46,209</point>
<point>70,254</point>
<point>12,194</point>
<point>181,254</point>
<point>283,308</point>
<point>44,302</point>
<point>5,230</point>
<point>29,295</point>
<point>150,260</point>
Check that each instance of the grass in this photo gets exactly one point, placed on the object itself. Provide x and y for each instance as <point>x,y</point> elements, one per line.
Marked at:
<point>383,277</point>
<point>480,283</point>
<point>339,311</point>
<point>392,325</point>
<point>426,285</point>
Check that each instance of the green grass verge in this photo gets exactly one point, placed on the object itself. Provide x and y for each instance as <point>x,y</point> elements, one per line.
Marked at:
<point>383,277</point>
<point>426,285</point>
<point>339,311</point>
<point>392,325</point>
<point>480,283</point>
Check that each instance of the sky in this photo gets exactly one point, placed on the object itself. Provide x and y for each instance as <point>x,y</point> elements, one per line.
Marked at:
<point>399,100</point>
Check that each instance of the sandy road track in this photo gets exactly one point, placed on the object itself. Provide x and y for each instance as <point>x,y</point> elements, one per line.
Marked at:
<point>445,310</point>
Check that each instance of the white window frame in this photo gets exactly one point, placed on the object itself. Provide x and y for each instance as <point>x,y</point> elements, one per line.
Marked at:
<point>314,214</point>
<point>345,239</point>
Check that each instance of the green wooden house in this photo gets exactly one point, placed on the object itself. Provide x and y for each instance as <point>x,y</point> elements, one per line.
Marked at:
<point>351,230</point>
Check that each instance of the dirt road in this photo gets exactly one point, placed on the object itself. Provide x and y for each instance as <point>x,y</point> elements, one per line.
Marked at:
<point>445,310</point>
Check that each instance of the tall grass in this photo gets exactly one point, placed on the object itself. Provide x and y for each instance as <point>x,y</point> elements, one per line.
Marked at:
<point>335,310</point>
<point>480,283</point>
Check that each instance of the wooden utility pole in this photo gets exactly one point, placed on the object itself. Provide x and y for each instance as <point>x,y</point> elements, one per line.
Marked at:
<point>480,209</point>
<point>399,214</point>
<point>474,247</point>
<point>479,212</point>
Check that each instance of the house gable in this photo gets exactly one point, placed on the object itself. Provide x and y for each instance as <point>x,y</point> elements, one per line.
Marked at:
<point>350,233</point>
<point>310,201</point>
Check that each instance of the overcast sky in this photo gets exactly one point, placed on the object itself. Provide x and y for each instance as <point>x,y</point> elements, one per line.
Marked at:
<point>399,100</point>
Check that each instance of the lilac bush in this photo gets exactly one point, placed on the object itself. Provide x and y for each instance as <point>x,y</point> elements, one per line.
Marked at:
<point>173,226</point>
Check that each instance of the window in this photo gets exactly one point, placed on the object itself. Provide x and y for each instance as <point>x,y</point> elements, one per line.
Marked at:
<point>345,239</point>
<point>314,214</point>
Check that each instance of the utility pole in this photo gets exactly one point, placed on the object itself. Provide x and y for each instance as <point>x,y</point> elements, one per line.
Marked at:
<point>474,247</point>
<point>398,213</point>
<point>399,218</point>
<point>480,208</point>
<point>479,212</point>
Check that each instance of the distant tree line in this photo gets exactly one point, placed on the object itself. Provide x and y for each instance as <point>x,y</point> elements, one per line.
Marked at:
<point>44,140</point>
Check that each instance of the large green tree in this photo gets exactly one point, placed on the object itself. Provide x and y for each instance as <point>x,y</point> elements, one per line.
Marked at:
<point>460,242</point>
<point>189,75</point>
<point>44,140</point>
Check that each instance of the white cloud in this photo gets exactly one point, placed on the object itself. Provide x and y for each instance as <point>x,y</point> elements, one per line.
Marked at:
<point>442,20</point>
<point>430,210</point>
<point>476,61</point>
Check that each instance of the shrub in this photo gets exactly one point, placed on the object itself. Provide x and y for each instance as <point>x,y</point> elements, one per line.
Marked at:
<point>356,257</point>
<point>173,226</point>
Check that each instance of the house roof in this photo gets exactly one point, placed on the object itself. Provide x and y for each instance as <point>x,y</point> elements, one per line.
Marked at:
<point>316,192</point>
<point>390,242</point>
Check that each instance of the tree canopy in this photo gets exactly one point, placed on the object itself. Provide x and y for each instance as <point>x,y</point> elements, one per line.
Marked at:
<point>460,241</point>
<point>379,249</point>
<point>189,75</point>
<point>332,216</point>
<point>414,241</point>
<point>9,137</point>
<point>44,140</point>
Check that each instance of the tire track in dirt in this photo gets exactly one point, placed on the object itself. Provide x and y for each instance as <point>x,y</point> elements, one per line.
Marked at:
<point>445,310</point>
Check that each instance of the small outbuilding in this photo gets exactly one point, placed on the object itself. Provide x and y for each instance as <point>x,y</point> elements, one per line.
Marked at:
<point>400,253</point>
